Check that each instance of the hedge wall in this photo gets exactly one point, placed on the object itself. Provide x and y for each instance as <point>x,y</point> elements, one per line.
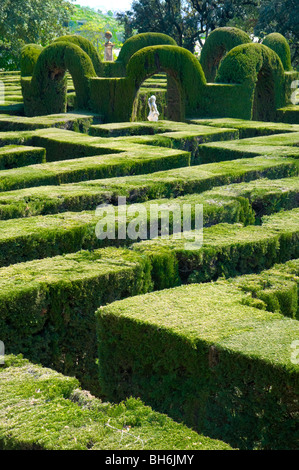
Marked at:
<point>87,195</point>
<point>226,250</point>
<point>199,354</point>
<point>47,307</point>
<point>38,399</point>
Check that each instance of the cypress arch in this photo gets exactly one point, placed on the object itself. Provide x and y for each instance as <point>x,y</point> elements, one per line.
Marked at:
<point>278,43</point>
<point>140,41</point>
<point>45,93</point>
<point>87,47</point>
<point>220,42</point>
<point>180,64</point>
<point>260,72</point>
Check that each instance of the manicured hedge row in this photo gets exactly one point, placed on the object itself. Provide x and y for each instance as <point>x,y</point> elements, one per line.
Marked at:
<point>44,410</point>
<point>138,161</point>
<point>76,122</point>
<point>47,307</point>
<point>13,156</point>
<point>44,236</point>
<point>88,195</point>
<point>249,129</point>
<point>223,250</point>
<point>275,290</point>
<point>288,114</point>
<point>199,354</point>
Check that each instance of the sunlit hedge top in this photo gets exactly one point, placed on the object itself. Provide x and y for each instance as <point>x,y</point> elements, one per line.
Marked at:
<point>218,43</point>
<point>139,41</point>
<point>87,47</point>
<point>29,56</point>
<point>279,44</point>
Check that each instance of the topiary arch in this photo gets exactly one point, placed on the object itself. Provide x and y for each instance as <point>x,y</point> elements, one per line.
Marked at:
<point>219,42</point>
<point>180,64</point>
<point>29,55</point>
<point>87,47</point>
<point>139,41</point>
<point>260,72</point>
<point>280,45</point>
<point>45,93</point>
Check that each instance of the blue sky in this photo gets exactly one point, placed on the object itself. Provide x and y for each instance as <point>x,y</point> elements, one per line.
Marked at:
<point>106,4</point>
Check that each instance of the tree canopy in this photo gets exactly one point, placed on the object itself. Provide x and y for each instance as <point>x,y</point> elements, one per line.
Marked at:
<point>29,21</point>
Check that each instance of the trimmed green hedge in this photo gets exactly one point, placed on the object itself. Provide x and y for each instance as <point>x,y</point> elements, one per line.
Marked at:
<point>275,290</point>
<point>87,47</point>
<point>12,156</point>
<point>46,92</point>
<point>260,72</point>
<point>44,236</point>
<point>278,43</point>
<point>139,41</point>
<point>47,306</point>
<point>87,195</point>
<point>70,121</point>
<point>200,355</point>
<point>139,161</point>
<point>219,42</point>
<point>29,56</point>
<point>222,250</point>
<point>48,411</point>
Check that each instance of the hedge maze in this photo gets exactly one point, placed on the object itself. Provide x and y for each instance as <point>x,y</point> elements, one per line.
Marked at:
<point>143,342</point>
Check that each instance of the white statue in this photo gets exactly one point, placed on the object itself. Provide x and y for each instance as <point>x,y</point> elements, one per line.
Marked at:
<point>154,113</point>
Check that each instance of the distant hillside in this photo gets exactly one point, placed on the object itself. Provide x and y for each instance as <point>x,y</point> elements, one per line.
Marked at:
<point>93,24</point>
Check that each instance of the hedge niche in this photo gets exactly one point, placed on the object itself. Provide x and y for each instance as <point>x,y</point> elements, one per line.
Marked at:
<point>218,43</point>
<point>45,93</point>
<point>260,72</point>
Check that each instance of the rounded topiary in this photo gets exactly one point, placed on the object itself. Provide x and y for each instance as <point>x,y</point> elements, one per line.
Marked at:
<point>260,71</point>
<point>278,43</point>
<point>177,62</point>
<point>219,42</point>
<point>139,41</point>
<point>46,93</point>
<point>29,55</point>
<point>87,47</point>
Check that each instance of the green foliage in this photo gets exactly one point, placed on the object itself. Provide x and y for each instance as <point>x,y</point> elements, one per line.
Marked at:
<point>29,22</point>
<point>218,43</point>
<point>280,45</point>
<point>281,17</point>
